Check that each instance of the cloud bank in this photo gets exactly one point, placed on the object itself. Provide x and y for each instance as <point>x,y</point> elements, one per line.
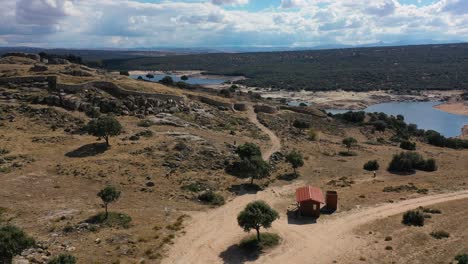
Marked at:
<point>216,23</point>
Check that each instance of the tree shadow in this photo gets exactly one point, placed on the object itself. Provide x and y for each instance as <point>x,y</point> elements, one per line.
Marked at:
<point>288,176</point>
<point>245,188</point>
<point>235,254</point>
<point>88,150</point>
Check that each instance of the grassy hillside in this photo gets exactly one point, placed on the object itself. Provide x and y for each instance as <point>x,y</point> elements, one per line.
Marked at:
<point>360,69</point>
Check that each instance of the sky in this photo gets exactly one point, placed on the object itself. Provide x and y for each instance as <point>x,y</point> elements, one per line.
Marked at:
<point>228,23</point>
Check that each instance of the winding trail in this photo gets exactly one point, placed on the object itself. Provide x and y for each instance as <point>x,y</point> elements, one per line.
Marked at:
<point>275,141</point>
<point>211,236</point>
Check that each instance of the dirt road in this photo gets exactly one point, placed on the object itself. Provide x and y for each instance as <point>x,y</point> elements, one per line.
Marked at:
<point>275,141</point>
<point>212,236</point>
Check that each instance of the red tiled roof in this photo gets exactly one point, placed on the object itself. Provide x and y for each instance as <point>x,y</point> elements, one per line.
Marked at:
<point>309,193</point>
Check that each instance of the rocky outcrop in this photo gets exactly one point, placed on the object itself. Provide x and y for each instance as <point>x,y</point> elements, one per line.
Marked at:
<point>211,101</point>
<point>265,109</point>
<point>23,55</point>
<point>38,68</point>
<point>46,82</point>
<point>240,106</point>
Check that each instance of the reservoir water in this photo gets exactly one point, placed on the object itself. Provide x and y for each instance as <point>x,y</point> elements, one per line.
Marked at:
<point>200,81</point>
<point>422,114</point>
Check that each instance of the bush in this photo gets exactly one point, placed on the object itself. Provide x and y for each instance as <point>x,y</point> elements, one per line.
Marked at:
<point>440,234</point>
<point>212,198</point>
<point>167,80</point>
<point>63,259</point>
<point>430,165</point>
<point>111,220</point>
<point>354,117</point>
<point>12,242</point>
<point>347,153</point>
<point>408,145</point>
<point>145,123</point>
<point>462,259</point>
<point>415,218</point>
<point>372,165</point>
<point>301,124</point>
<point>408,162</point>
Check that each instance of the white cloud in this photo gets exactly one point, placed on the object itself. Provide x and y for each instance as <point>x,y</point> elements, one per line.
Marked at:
<point>128,23</point>
<point>229,2</point>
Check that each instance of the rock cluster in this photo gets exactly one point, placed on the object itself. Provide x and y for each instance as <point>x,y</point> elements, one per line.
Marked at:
<point>23,55</point>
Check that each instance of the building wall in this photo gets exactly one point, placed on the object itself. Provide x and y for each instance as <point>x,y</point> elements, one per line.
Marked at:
<point>310,208</point>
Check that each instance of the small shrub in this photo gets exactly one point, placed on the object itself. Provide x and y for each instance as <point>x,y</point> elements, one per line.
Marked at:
<point>440,234</point>
<point>347,153</point>
<point>111,220</point>
<point>196,187</point>
<point>430,165</point>
<point>145,123</point>
<point>212,198</point>
<point>388,238</point>
<point>388,248</point>
<point>68,228</point>
<point>462,259</point>
<point>408,145</point>
<point>301,124</point>
<point>372,165</point>
<point>63,259</point>
<point>415,218</point>
<point>4,151</point>
<point>12,242</point>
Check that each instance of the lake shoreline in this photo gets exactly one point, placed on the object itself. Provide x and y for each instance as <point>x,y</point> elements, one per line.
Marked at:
<point>191,74</point>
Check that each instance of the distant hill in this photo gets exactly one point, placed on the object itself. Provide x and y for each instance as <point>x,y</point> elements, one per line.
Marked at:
<point>442,66</point>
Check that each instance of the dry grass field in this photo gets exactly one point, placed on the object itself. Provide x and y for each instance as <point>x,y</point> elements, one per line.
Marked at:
<point>51,173</point>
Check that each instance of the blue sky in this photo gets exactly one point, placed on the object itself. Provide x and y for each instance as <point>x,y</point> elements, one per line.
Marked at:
<point>228,23</point>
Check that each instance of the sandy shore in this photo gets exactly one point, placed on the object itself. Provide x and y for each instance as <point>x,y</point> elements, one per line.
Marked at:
<point>459,108</point>
<point>348,100</point>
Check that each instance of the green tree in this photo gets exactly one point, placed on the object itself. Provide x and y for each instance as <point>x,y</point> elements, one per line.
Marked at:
<point>184,78</point>
<point>257,214</point>
<point>248,151</point>
<point>12,242</point>
<point>167,80</point>
<point>63,259</point>
<point>104,127</point>
<point>255,168</point>
<point>295,159</point>
<point>108,195</point>
<point>349,142</point>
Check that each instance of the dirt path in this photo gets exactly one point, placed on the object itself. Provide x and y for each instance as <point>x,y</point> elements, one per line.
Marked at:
<point>212,236</point>
<point>275,141</point>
